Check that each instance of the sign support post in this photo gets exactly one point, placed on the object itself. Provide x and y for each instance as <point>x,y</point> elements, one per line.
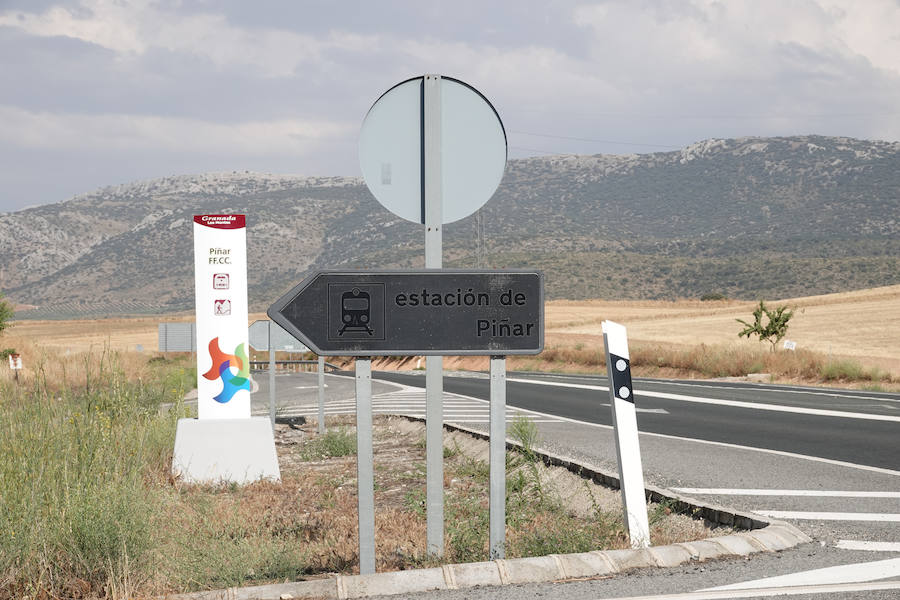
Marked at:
<point>321,395</point>
<point>434,365</point>
<point>264,335</point>
<point>431,312</point>
<point>628,450</point>
<point>365,471</point>
<point>413,166</point>
<point>271,378</point>
<point>497,525</point>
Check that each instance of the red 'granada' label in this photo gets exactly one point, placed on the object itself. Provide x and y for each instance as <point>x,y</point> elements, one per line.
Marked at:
<point>221,221</point>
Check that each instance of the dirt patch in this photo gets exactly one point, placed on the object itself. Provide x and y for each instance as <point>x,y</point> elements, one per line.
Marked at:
<point>549,509</point>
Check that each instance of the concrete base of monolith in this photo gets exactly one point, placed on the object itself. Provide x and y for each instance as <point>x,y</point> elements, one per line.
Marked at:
<point>225,451</point>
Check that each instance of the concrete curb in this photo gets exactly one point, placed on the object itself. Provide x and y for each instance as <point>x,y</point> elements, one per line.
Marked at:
<point>761,536</point>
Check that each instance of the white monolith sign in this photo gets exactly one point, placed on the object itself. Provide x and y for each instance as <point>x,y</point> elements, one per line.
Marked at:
<point>220,293</point>
<point>224,443</point>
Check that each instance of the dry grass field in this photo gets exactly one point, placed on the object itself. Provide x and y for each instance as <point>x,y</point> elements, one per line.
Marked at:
<point>863,325</point>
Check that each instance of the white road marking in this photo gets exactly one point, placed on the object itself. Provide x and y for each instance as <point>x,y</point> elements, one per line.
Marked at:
<point>855,573</point>
<point>308,387</point>
<point>714,401</point>
<point>812,493</point>
<point>869,546</point>
<point>827,461</point>
<point>410,401</point>
<point>818,590</point>
<point>830,516</point>
<point>577,386</point>
<point>810,391</point>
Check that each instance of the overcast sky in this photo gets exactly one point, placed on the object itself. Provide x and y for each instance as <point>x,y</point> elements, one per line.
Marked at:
<point>101,92</point>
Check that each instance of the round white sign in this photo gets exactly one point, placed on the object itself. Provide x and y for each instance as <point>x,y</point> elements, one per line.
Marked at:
<point>472,149</point>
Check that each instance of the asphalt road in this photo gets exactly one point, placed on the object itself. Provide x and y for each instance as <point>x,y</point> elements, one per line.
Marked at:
<point>854,437</point>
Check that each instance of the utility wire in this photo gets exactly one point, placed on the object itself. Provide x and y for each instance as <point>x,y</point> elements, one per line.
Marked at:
<point>579,139</point>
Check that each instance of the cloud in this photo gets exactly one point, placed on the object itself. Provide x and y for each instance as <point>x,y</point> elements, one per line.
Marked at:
<point>79,132</point>
<point>271,83</point>
<point>744,33</point>
<point>108,24</point>
<point>131,29</point>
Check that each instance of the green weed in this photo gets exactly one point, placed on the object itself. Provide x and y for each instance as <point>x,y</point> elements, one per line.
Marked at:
<point>525,432</point>
<point>335,442</point>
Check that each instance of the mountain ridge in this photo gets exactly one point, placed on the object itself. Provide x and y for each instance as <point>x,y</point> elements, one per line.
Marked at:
<point>746,217</point>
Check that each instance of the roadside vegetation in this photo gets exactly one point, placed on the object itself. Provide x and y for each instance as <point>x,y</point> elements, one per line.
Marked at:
<point>88,508</point>
<point>711,361</point>
<point>84,460</point>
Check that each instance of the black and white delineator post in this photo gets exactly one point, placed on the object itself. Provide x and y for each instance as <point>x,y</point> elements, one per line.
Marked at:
<point>628,450</point>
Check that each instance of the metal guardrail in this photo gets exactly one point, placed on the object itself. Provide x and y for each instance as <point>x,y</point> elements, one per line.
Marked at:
<point>292,365</point>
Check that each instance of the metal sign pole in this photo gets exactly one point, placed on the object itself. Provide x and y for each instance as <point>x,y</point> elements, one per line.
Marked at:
<point>628,450</point>
<point>497,451</point>
<point>434,365</point>
<point>321,395</point>
<point>271,378</point>
<point>365,470</point>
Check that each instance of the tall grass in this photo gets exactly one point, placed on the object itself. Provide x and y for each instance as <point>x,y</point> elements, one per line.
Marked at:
<point>76,454</point>
<point>714,361</point>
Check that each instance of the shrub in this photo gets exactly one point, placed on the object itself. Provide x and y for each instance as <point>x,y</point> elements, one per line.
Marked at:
<point>713,296</point>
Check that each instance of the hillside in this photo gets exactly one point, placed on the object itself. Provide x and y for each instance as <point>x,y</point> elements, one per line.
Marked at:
<point>748,218</point>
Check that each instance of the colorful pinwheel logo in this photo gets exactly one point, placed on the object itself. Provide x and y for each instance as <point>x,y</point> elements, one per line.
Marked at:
<point>222,365</point>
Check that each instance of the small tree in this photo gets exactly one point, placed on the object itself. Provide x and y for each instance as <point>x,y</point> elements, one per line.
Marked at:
<point>773,330</point>
<point>6,313</point>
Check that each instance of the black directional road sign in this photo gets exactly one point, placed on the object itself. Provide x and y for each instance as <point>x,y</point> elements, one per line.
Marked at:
<point>442,312</point>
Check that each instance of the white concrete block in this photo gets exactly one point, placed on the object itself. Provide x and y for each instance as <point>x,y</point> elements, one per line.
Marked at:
<point>225,450</point>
